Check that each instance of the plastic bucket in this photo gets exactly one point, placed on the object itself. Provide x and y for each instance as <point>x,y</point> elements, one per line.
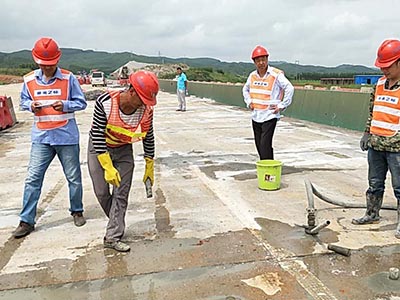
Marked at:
<point>269,174</point>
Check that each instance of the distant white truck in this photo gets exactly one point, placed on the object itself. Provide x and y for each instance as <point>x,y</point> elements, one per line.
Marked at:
<point>98,78</point>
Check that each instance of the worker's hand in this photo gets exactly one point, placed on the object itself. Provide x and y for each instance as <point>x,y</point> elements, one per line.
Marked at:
<point>364,141</point>
<point>58,105</point>
<point>111,174</point>
<point>149,170</point>
<point>251,106</point>
<point>187,92</point>
<point>36,106</point>
<point>275,109</point>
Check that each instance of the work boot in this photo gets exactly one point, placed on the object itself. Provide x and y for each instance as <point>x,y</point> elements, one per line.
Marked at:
<point>79,219</point>
<point>23,229</point>
<point>374,204</point>
<point>118,246</point>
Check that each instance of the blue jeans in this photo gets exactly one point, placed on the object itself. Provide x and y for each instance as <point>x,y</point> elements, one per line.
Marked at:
<point>379,163</point>
<point>41,157</point>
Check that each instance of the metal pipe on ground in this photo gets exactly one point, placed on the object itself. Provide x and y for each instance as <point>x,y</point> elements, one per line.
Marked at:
<point>340,250</point>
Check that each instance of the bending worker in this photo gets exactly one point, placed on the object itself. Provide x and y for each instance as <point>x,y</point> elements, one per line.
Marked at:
<point>381,137</point>
<point>53,95</point>
<point>120,119</point>
<point>267,92</point>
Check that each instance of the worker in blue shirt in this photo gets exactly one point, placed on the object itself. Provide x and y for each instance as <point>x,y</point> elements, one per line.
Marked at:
<point>181,89</point>
<point>53,95</point>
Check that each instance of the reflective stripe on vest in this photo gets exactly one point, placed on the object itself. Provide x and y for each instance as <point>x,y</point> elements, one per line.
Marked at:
<point>51,118</point>
<point>118,132</point>
<point>47,117</point>
<point>261,89</point>
<point>386,111</point>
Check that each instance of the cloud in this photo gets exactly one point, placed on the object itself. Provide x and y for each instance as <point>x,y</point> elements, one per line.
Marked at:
<point>309,31</point>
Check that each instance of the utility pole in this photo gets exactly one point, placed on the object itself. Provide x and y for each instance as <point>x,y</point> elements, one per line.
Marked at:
<point>297,62</point>
<point>161,59</point>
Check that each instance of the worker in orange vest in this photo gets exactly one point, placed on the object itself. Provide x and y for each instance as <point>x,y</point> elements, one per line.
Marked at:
<point>53,95</point>
<point>267,92</point>
<point>121,118</point>
<point>381,137</point>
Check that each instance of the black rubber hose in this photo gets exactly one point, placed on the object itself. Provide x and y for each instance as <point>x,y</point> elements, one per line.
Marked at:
<point>341,203</point>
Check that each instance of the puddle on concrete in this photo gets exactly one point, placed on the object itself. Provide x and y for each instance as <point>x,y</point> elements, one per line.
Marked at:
<point>250,171</point>
<point>147,256</point>
<point>336,154</point>
<point>381,283</point>
<point>185,284</point>
<point>362,275</point>
<point>222,281</point>
<point>210,165</point>
<point>162,216</point>
<point>294,239</point>
<point>290,170</point>
<point>210,170</point>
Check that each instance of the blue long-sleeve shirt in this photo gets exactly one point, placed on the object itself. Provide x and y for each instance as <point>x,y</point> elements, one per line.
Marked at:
<point>68,134</point>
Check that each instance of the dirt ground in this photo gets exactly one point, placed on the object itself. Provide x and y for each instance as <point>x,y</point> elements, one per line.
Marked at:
<point>7,79</point>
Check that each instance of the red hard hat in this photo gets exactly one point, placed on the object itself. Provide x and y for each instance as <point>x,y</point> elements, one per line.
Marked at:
<point>388,53</point>
<point>259,51</point>
<point>146,86</point>
<point>46,52</point>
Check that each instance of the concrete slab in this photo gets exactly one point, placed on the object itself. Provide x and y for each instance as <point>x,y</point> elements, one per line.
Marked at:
<point>208,232</point>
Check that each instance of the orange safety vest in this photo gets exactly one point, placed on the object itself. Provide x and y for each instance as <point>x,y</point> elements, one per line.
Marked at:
<point>261,89</point>
<point>118,132</point>
<point>386,110</point>
<point>47,117</point>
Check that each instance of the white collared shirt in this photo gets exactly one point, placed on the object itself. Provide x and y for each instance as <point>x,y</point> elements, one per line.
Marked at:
<point>281,83</point>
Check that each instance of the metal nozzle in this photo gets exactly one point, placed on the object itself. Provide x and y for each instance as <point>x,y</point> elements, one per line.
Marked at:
<point>317,228</point>
<point>149,189</point>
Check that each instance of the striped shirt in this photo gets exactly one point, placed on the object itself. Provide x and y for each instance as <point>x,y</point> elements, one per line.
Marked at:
<point>101,113</point>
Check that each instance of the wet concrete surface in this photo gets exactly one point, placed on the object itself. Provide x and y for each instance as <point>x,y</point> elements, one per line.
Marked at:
<point>208,232</point>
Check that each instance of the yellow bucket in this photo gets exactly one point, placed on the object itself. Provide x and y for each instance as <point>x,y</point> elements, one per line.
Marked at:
<point>269,174</point>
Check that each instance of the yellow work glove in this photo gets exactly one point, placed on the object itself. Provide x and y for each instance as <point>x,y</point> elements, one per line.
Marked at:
<point>149,170</point>
<point>111,174</point>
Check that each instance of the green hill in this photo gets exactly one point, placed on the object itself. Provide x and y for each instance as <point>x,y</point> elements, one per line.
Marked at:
<point>79,60</point>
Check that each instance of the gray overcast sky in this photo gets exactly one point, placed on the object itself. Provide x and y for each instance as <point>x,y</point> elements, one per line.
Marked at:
<point>316,32</point>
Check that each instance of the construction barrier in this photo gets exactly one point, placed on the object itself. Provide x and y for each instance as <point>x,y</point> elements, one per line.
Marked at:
<point>81,80</point>
<point>335,108</point>
<point>7,114</point>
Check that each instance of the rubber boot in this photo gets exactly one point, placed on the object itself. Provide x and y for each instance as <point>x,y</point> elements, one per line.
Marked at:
<point>374,204</point>
<point>397,234</point>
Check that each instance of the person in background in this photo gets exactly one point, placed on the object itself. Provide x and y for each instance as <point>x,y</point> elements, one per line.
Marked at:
<point>181,89</point>
<point>121,118</point>
<point>267,92</point>
<point>381,137</point>
<point>52,95</point>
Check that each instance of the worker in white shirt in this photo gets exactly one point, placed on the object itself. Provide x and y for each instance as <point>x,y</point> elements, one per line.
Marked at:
<point>267,92</point>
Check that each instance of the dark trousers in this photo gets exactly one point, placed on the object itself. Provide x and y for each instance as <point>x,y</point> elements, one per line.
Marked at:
<point>115,203</point>
<point>263,134</point>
